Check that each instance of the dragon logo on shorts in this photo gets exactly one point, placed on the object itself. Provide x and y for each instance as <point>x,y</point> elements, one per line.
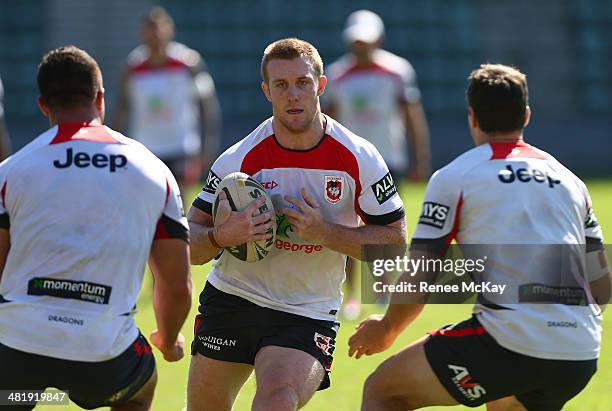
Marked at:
<point>333,188</point>
<point>324,343</point>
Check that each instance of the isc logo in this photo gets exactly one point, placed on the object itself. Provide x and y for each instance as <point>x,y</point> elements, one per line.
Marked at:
<point>525,175</point>
<point>98,160</point>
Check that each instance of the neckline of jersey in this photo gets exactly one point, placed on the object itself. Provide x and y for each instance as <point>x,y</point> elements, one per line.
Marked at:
<point>297,150</point>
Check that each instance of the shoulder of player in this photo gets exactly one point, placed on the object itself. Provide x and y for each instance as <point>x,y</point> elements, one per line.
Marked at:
<point>137,56</point>
<point>41,141</point>
<point>361,149</point>
<point>392,62</point>
<point>233,156</point>
<point>339,67</point>
<point>188,56</point>
<point>457,169</point>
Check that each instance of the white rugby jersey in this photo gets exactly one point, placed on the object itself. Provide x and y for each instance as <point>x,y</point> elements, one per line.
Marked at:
<point>83,204</point>
<point>505,194</point>
<point>163,102</point>
<point>347,177</point>
<point>368,100</point>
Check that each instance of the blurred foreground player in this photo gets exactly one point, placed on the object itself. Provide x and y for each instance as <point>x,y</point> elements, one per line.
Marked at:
<point>278,316</point>
<point>167,100</point>
<point>511,354</point>
<point>74,242</point>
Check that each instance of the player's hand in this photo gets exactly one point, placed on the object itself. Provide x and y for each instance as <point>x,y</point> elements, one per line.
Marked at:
<point>372,336</point>
<point>239,227</point>
<point>306,218</point>
<point>172,352</point>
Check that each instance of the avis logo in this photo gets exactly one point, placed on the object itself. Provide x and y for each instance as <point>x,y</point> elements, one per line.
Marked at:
<point>463,380</point>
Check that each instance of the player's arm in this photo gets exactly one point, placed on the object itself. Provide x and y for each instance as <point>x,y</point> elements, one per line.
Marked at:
<point>232,228</point>
<point>417,133</point>
<point>122,110</point>
<point>5,245</point>
<point>597,265</point>
<point>5,142</point>
<point>438,224</point>
<point>169,262</point>
<point>418,140</point>
<point>210,112</point>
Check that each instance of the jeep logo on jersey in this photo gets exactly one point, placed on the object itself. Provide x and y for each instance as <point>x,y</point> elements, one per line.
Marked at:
<point>212,182</point>
<point>463,381</point>
<point>434,214</point>
<point>525,175</point>
<point>98,160</point>
<point>334,186</point>
<point>384,188</point>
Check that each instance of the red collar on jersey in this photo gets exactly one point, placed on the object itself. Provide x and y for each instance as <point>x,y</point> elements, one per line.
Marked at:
<point>82,131</point>
<point>515,149</point>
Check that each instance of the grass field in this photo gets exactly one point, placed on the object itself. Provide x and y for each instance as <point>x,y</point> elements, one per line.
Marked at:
<point>349,374</point>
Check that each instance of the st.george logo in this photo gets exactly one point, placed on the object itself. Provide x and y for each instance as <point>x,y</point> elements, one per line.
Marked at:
<point>334,187</point>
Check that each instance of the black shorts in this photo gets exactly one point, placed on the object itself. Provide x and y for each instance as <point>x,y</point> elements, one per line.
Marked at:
<point>475,369</point>
<point>89,384</point>
<point>230,328</point>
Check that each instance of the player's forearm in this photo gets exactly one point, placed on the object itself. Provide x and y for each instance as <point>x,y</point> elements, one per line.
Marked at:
<point>399,314</point>
<point>202,250</point>
<point>350,240</point>
<point>418,135</point>
<point>211,127</point>
<point>5,143</point>
<point>171,306</point>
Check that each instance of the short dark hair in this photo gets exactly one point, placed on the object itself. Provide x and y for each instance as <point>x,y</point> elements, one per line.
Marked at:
<point>499,96</point>
<point>68,77</point>
<point>289,49</point>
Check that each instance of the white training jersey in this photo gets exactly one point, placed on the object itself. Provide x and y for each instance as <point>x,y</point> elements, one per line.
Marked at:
<point>163,101</point>
<point>503,195</point>
<point>83,204</point>
<point>369,99</point>
<point>346,176</point>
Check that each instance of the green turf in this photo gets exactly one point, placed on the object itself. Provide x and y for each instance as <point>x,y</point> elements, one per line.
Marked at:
<point>349,374</point>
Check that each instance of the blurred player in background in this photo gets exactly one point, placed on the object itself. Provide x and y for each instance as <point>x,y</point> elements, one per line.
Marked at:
<point>5,143</point>
<point>74,242</point>
<point>375,94</point>
<point>279,316</point>
<point>167,100</point>
<point>511,354</point>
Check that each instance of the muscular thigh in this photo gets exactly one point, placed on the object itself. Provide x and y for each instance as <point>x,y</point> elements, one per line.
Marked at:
<point>279,366</point>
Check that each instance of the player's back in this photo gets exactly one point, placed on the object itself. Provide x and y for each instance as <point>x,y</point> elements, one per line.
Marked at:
<point>528,215</point>
<point>83,204</point>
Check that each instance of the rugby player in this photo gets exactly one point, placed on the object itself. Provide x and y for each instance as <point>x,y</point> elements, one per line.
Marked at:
<point>511,354</point>
<point>82,208</point>
<point>375,94</point>
<point>167,100</point>
<point>278,316</point>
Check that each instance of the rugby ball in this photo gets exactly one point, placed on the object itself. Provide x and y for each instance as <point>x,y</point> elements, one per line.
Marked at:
<point>241,190</point>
